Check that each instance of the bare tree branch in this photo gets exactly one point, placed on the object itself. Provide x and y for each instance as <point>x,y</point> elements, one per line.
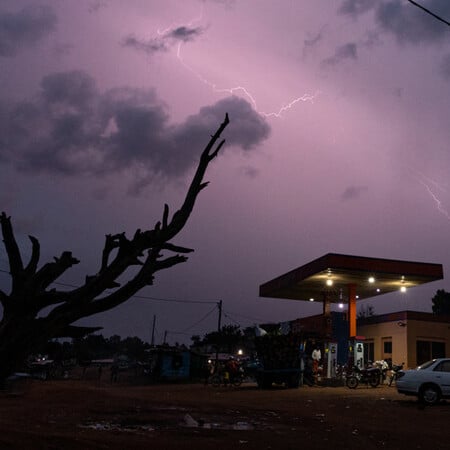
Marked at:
<point>23,325</point>
<point>35,255</point>
<point>50,272</point>
<point>430,12</point>
<point>12,249</point>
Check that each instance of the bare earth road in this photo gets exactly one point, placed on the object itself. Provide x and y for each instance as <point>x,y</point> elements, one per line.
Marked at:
<point>76,414</point>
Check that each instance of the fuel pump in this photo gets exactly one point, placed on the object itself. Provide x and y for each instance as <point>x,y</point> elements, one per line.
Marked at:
<point>356,352</point>
<point>359,354</point>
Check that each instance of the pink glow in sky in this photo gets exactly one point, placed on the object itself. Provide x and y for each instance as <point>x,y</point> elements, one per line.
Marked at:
<point>338,142</point>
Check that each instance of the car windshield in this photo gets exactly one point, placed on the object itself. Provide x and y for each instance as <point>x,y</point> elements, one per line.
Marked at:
<point>425,365</point>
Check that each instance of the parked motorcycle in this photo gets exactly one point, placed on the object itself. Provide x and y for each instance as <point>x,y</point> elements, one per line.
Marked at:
<point>223,378</point>
<point>394,374</point>
<point>384,367</point>
<point>370,376</point>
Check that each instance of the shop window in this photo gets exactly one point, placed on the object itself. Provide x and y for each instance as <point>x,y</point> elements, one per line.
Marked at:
<point>437,350</point>
<point>387,347</point>
<point>426,350</point>
<point>369,352</point>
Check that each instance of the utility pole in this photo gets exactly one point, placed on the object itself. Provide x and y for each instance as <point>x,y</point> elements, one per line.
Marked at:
<point>165,337</point>
<point>219,324</point>
<point>153,331</point>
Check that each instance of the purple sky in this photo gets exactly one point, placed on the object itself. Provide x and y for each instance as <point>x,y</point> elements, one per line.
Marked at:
<point>338,142</point>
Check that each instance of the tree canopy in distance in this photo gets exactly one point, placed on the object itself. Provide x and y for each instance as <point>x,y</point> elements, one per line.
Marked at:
<point>441,303</point>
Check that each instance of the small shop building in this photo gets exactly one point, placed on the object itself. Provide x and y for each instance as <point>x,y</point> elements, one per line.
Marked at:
<point>409,337</point>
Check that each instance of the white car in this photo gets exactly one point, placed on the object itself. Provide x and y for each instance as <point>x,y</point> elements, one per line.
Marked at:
<point>429,382</point>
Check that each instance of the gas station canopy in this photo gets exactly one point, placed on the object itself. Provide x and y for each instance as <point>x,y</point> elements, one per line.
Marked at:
<point>331,276</point>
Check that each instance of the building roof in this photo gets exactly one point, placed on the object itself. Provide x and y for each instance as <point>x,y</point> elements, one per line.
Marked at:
<point>387,275</point>
<point>399,316</point>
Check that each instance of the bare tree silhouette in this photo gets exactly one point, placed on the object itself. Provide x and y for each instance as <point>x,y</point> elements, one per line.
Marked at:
<point>25,324</point>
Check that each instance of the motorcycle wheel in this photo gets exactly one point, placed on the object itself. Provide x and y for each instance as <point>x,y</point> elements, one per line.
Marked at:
<point>374,381</point>
<point>352,382</point>
<point>237,381</point>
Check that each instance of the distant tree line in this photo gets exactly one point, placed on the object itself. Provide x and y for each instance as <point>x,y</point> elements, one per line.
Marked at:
<point>95,346</point>
<point>441,303</point>
<point>365,311</point>
<point>229,339</point>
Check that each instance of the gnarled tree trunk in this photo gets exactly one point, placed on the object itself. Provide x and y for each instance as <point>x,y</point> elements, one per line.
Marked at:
<point>21,328</point>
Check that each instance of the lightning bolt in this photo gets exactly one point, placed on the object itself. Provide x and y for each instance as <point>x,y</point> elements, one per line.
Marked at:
<point>236,89</point>
<point>427,183</point>
<point>436,199</point>
<point>245,91</point>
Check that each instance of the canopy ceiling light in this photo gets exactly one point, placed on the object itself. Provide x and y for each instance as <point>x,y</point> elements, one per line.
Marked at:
<point>311,280</point>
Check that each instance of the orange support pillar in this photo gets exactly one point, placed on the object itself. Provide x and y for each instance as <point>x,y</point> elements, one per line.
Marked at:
<point>352,310</point>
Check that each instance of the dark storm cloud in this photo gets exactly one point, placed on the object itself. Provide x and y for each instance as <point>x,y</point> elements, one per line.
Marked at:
<point>71,128</point>
<point>249,128</point>
<point>25,28</point>
<point>342,53</point>
<point>409,24</point>
<point>405,21</point>
<point>184,34</point>
<point>357,7</point>
<point>353,192</point>
<point>148,46</point>
<point>164,41</point>
<point>74,89</point>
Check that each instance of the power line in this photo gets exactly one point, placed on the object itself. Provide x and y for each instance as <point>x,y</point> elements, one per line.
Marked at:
<point>429,12</point>
<point>204,302</point>
<point>251,319</point>
<point>177,332</point>
<point>199,321</point>
<point>229,317</point>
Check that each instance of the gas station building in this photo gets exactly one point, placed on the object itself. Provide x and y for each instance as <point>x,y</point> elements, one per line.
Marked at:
<point>345,279</point>
<point>409,337</point>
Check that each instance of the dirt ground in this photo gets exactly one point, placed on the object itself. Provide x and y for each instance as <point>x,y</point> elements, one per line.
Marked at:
<point>76,414</point>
